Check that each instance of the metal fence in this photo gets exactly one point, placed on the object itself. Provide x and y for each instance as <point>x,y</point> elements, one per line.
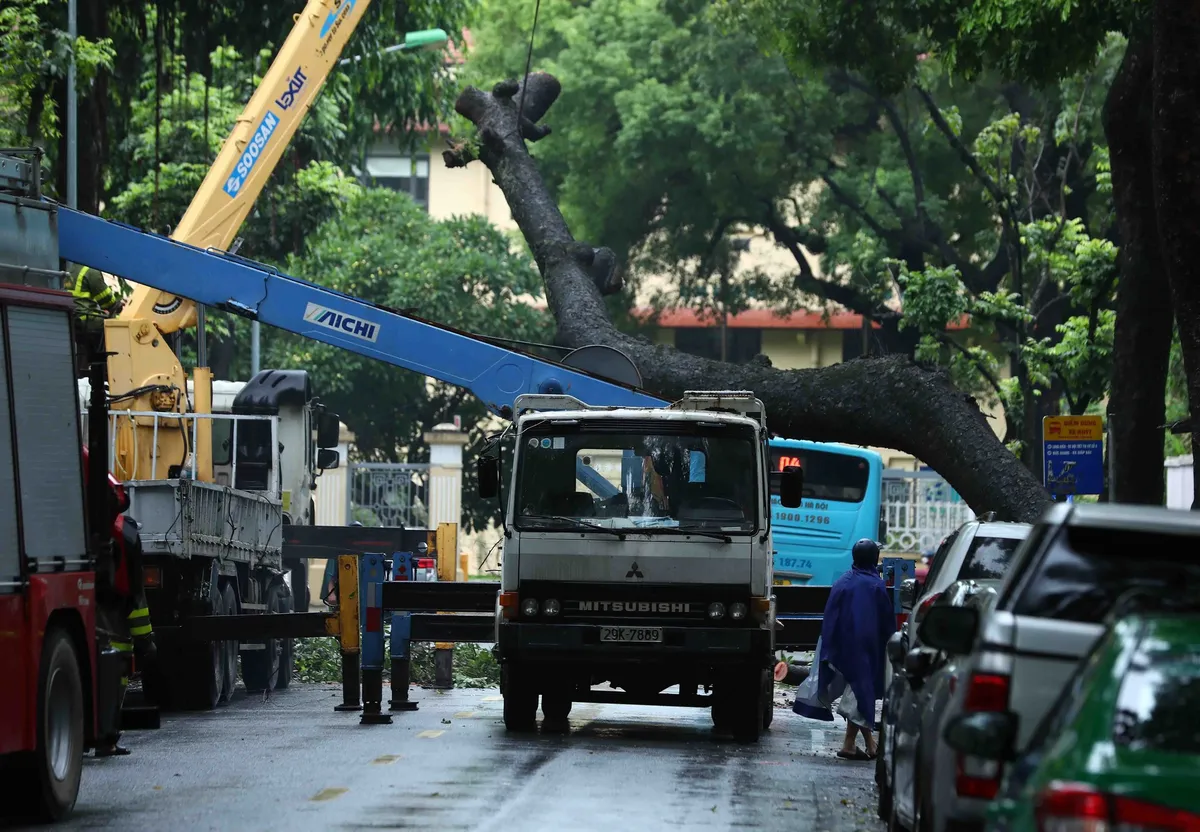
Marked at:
<point>920,508</point>
<point>388,494</point>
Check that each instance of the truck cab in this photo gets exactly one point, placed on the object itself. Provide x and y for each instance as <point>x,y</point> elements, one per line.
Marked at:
<point>305,435</point>
<point>637,553</point>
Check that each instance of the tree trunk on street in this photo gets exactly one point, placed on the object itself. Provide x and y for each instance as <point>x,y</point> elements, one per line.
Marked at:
<point>1142,341</point>
<point>1176,160</point>
<point>888,401</point>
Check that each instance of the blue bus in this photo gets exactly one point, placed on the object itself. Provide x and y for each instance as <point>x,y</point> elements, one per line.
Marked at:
<point>842,504</point>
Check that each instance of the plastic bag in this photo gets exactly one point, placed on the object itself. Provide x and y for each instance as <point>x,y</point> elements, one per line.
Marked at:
<point>808,694</point>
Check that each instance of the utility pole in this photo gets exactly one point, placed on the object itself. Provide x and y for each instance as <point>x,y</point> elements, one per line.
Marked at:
<point>72,115</point>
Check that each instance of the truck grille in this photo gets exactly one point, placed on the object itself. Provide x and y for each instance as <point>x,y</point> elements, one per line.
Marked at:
<point>664,604</point>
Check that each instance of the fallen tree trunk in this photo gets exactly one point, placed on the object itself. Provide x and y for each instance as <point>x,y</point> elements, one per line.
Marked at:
<point>889,401</point>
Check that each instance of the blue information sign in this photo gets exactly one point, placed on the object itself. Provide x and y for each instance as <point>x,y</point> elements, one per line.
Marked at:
<point>1073,454</point>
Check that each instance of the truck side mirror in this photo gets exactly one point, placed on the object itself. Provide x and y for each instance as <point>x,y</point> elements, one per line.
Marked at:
<point>329,430</point>
<point>488,468</point>
<point>328,459</point>
<point>791,487</point>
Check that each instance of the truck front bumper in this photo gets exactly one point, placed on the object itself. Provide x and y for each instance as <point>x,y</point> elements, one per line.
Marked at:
<point>580,643</point>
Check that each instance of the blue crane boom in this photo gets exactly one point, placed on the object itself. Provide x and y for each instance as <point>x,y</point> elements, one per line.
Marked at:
<point>495,374</point>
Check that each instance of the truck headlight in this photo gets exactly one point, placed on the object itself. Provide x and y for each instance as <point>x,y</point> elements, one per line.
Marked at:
<point>716,610</point>
<point>737,611</point>
<point>551,607</point>
<point>529,607</point>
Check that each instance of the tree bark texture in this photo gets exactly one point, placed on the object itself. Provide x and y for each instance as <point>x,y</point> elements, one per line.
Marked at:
<point>888,401</point>
<point>1142,341</point>
<point>1176,149</point>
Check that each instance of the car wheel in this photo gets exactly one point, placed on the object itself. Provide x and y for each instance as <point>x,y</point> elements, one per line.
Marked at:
<point>884,787</point>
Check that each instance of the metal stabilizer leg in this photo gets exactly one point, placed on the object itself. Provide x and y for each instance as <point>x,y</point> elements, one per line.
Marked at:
<point>348,621</point>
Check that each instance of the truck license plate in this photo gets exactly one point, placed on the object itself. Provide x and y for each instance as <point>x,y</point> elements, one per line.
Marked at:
<point>633,635</point>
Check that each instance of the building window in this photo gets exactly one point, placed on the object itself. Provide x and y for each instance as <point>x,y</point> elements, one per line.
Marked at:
<point>741,345</point>
<point>408,174</point>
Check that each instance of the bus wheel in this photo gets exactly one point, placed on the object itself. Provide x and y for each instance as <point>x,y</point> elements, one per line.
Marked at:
<point>58,761</point>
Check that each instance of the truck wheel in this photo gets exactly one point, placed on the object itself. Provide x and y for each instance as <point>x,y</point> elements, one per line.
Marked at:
<point>556,707</point>
<point>229,649</point>
<point>722,712</point>
<point>261,669</point>
<point>57,764</point>
<point>520,700</point>
<point>746,701</point>
<point>195,672</point>
<point>768,699</point>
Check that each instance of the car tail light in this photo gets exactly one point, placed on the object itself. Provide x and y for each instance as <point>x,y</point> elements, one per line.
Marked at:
<point>987,692</point>
<point>509,604</point>
<point>1078,807</point>
<point>979,779</point>
<point>976,778</point>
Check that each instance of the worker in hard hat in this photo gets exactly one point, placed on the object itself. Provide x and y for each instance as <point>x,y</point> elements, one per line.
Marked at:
<point>93,292</point>
<point>95,300</point>
<point>122,615</point>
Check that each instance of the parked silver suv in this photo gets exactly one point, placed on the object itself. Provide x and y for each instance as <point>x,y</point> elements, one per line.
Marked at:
<point>1076,565</point>
<point>979,551</point>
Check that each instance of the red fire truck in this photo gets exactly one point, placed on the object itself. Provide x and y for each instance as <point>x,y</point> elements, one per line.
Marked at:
<point>59,690</point>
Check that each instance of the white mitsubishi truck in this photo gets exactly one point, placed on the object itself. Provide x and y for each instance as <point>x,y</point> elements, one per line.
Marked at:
<point>637,553</point>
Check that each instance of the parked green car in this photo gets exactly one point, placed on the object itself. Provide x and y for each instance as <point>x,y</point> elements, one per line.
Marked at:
<point>1120,750</point>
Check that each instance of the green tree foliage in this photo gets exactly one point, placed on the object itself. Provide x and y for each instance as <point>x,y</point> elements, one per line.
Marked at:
<point>913,198</point>
<point>154,52</point>
<point>1038,41</point>
<point>36,50</point>
<point>460,272</point>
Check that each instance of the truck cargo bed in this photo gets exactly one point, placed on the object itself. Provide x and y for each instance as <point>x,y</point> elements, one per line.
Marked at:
<point>187,518</point>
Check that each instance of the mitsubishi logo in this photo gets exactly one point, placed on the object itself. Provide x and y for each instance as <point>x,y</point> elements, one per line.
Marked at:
<point>634,572</point>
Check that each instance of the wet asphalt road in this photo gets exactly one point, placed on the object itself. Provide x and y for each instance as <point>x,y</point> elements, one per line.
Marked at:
<point>292,763</point>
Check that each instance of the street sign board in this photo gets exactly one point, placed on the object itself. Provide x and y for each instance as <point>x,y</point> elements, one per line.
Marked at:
<point>1073,450</point>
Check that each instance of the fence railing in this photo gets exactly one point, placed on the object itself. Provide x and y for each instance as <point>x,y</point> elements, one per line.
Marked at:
<point>388,494</point>
<point>180,421</point>
<point>920,509</point>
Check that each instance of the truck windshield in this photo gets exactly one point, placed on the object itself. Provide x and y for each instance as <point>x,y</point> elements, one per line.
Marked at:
<point>827,476</point>
<point>625,476</point>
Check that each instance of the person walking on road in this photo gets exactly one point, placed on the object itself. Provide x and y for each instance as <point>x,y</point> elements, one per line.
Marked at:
<point>858,621</point>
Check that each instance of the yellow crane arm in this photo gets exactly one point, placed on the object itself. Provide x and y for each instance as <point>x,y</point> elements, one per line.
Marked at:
<point>260,136</point>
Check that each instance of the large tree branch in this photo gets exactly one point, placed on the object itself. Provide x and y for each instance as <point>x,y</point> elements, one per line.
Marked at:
<point>901,131</point>
<point>843,196</point>
<point>956,143</point>
<point>889,402</point>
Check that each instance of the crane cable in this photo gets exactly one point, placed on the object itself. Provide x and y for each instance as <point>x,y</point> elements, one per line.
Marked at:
<point>528,63</point>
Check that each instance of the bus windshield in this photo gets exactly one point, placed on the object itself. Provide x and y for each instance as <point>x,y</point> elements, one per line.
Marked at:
<point>827,475</point>
<point>624,476</point>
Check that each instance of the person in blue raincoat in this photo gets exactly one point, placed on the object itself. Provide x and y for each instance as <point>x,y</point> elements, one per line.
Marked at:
<point>859,619</point>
